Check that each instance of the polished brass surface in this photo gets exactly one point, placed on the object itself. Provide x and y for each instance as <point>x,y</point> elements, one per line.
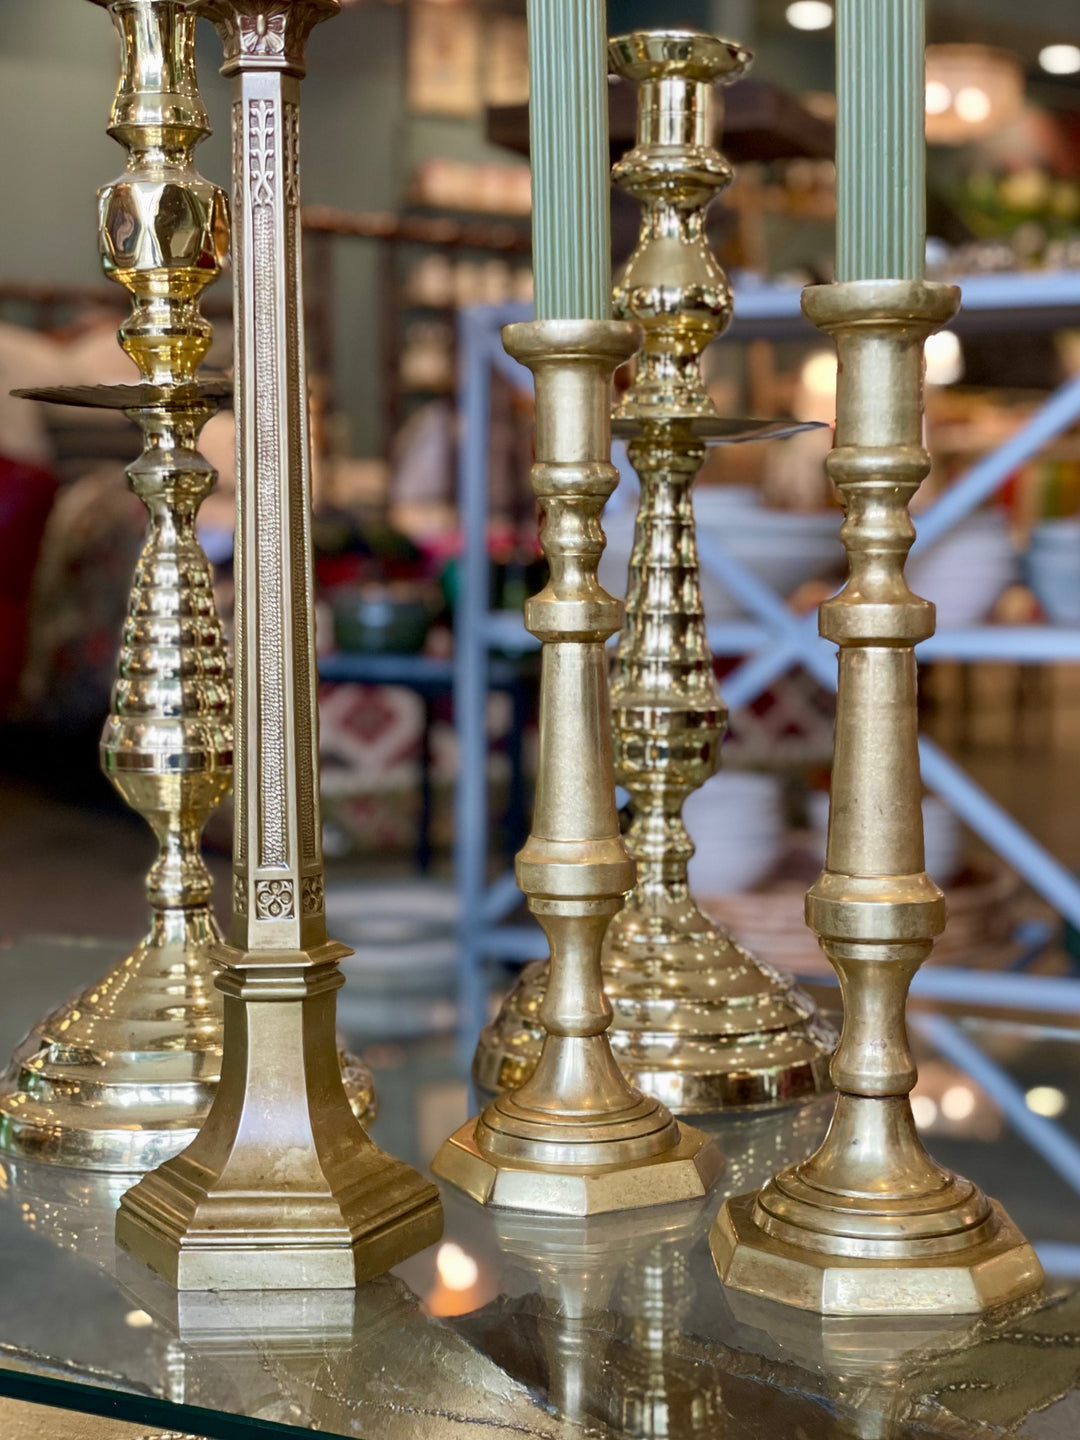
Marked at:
<point>575,1138</point>
<point>699,1023</point>
<point>282,1188</point>
<point>869,1223</point>
<point>121,1076</point>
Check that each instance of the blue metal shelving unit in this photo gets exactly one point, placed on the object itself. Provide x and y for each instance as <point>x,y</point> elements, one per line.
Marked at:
<point>771,640</point>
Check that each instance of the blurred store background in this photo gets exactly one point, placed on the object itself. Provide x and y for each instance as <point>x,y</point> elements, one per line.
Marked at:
<point>417,246</point>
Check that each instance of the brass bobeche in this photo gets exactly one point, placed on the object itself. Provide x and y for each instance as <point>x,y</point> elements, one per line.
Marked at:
<point>869,1224</point>
<point>121,1076</point>
<point>699,1023</point>
<point>575,1139</point>
<point>282,1188</point>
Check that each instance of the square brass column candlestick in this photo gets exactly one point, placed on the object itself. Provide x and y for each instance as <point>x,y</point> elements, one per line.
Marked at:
<point>282,1188</point>
<point>699,1023</point>
<point>575,1139</point>
<point>869,1224</point>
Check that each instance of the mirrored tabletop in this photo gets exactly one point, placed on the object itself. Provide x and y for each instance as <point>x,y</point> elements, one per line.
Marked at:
<point>523,1328</point>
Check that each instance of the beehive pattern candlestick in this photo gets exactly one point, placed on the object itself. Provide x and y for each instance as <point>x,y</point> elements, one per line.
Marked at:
<point>282,1188</point>
<point>869,1224</point>
<point>121,1077</point>
<point>698,1022</point>
<point>575,1139</point>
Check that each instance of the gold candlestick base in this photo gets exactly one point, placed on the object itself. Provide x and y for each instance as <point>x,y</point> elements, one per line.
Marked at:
<point>288,1196</point>
<point>953,1275</point>
<point>557,1181</point>
<point>575,1139</point>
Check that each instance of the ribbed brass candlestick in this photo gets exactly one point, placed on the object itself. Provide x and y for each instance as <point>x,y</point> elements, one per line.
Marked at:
<point>575,1139</point>
<point>121,1076</point>
<point>869,1224</point>
<point>698,1022</point>
<point>281,1189</point>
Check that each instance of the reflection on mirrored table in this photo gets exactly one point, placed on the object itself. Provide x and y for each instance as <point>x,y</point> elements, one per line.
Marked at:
<point>517,1326</point>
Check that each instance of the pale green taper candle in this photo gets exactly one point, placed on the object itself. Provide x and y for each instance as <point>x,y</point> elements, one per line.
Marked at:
<point>568,141</point>
<point>880,139</point>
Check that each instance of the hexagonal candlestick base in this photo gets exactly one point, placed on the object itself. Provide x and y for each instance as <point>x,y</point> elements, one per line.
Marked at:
<point>685,1173</point>
<point>965,1282</point>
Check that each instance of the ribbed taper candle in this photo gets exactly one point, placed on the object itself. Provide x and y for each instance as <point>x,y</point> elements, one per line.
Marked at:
<point>568,140</point>
<point>880,140</point>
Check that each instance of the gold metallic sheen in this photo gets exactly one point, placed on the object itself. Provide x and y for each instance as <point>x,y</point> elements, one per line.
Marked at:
<point>699,1023</point>
<point>121,1076</point>
<point>282,1188</point>
<point>575,1138</point>
<point>869,1224</point>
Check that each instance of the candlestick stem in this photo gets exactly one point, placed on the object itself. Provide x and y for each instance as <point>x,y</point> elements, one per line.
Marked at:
<point>869,1224</point>
<point>575,1138</point>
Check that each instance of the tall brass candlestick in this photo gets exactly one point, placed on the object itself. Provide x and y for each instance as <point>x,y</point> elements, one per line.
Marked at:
<point>575,1139</point>
<point>698,1022</point>
<point>120,1077</point>
<point>869,1224</point>
<point>282,1189</point>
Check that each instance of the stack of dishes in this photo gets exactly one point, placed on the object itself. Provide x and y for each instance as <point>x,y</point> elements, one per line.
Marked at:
<point>1053,569</point>
<point>965,571</point>
<point>736,822</point>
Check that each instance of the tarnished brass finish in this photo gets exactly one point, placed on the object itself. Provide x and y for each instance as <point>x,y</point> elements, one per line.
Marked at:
<point>699,1023</point>
<point>281,1189</point>
<point>869,1224</point>
<point>121,1076</point>
<point>575,1139</point>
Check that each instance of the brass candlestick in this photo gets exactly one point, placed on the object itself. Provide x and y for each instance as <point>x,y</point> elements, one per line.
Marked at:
<point>575,1139</point>
<point>281,1189</point>
<point>121,1076</point>
<point>869,1223</point>
<point>698,1022</point>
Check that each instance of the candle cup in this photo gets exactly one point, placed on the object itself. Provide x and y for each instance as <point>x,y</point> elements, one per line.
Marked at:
<point>120,1077</point>
<point>575,1139</point>
<point>282,1188</point>
<point>699,1023</point>
<point>869,1224</point>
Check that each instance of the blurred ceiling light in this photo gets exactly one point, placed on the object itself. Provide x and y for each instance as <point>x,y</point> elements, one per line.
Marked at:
<point>972,105</point>
<point>818,373</point>
<point>939,98</point>
<point>944,359</point>
<point>815,392</point>
<point>809,15</point>
<point>971,90</point>
<point>958,1102</point>
<point>457,1269</point>
<point>924,1110</point>
<point>1046,1100</point>
<point>1060,59</point>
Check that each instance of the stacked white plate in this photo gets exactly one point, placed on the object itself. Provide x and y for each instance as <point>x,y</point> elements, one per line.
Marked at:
<point>966,570</point>
<point>736,822</point>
